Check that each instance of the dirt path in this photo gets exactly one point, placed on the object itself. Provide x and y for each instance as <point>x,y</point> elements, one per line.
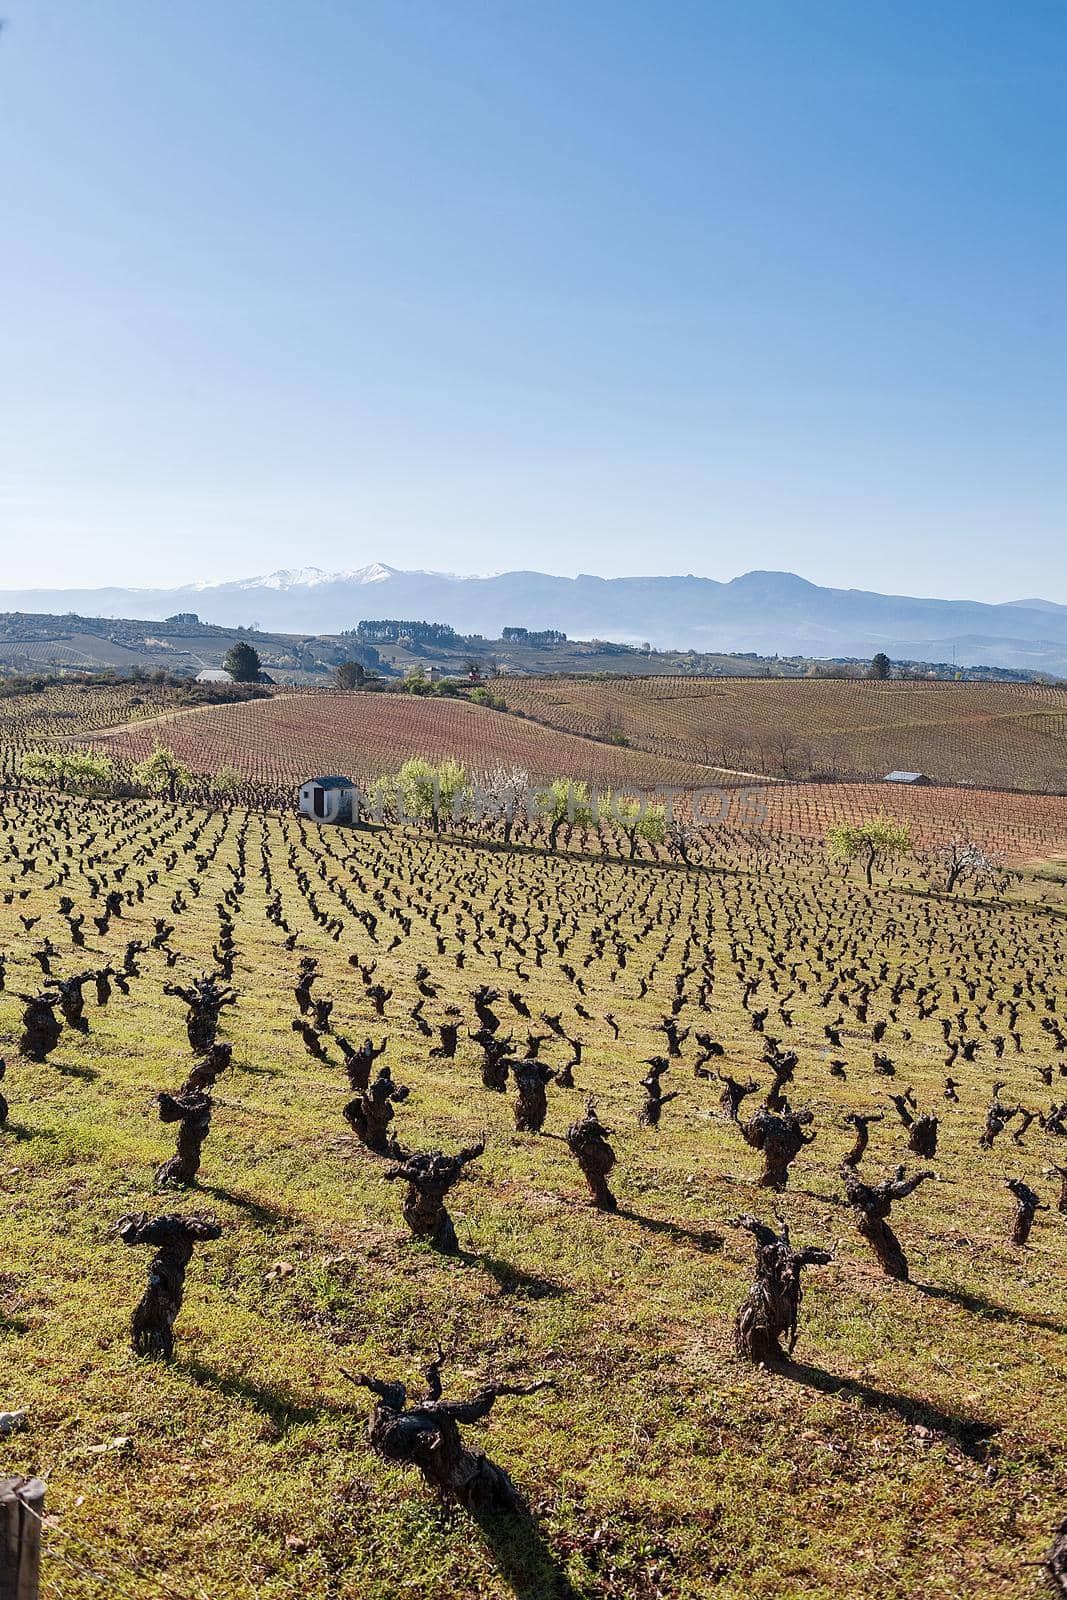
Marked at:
<point>142,723</point>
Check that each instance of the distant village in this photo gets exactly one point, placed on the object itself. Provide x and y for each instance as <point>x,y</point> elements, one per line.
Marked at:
<point>185,647</point>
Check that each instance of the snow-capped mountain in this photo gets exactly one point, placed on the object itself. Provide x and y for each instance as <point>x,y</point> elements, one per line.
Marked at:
<point>289,578</point>
<point>766,612</point>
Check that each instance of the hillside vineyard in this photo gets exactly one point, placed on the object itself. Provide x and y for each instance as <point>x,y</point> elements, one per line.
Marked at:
<point>913,1443</point>
<point>995,735</point>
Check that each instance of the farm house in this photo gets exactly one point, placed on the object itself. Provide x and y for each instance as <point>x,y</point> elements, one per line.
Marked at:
<point>330,799</point>
<point>914,779</point>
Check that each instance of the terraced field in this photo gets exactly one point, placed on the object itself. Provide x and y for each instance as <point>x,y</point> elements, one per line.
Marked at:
<point>994,735</point>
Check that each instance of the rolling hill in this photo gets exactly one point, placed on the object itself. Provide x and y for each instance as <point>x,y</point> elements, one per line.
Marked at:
<point>999,735</point>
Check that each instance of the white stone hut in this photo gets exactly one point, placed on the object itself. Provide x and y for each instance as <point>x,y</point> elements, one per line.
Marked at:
<point>331,799</point>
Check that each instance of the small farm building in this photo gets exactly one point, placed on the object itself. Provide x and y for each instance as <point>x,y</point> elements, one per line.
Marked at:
<point>907,777</point>
<point>214,675</point>
<point>328,799</point>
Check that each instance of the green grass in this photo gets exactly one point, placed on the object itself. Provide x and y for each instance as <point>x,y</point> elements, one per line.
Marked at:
<point>915,1449</point>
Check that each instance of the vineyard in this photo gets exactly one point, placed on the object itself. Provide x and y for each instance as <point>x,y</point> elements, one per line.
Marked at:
<point>994,735</point>
<point>1018,827</point>
<point>76,708</point>
<point>292,736</point>
<point>274,743</point>
<point>652,1437</point>
<point>72,709</point>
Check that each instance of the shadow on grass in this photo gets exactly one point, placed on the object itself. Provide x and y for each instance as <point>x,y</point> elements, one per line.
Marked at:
<point>522,1555</point>
<point>990,1309</point>
<point>707,1239</point>
<point>967,1433</point>
<point>513,1279</point>
<point>69,1070</point>
<point>256,1209</point>
<point>16,1130</point>
<point>283,1411</point>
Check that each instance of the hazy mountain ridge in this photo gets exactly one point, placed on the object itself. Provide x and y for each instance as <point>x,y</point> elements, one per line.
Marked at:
<point>767,612</point>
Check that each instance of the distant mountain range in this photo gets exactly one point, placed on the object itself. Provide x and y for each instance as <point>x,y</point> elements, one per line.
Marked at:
<point>766,612</point>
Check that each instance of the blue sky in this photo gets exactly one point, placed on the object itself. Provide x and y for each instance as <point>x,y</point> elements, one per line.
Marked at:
<point>479,284</point>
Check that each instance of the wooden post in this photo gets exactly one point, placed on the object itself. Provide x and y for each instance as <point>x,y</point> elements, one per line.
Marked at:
<point>21,1510</point>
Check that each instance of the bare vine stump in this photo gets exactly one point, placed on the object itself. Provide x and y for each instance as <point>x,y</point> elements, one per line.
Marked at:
<point>21,1511</point>
<point>783,1063</point>
<point>922,1137</point>
<point>449,1035</point>
<point>780,1137</point>
<point>531,1105</point>
<point>72,1001</point>
<point>206,1072</point>
<point>309,968</point>
<point>872,1204</point>
<point>205,1000</point>
<point>997,1118</point>
<point>3,1102</point>
<point>357,1063</point>
<point>1055,1563</point>
<point>426,1435</point>
<point>733,1093</point>
<point>370,1113</point>
<point>378,994</point>
<point>40,1027</point>
<point>484,998</point>
<point>322,1011</point>
<point>654,1101</point>
<point>495,1053</point>
<point>152,1325</point>
<point>429,1177</point>
<point>770,1310</point>
<point>192,1113</point>
<point>312,1043</point>
<point>587,1141</point>
<point>861,1122</point>
<point>1027,1205</point>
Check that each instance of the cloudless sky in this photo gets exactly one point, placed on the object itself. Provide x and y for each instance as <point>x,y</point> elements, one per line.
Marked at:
<point>575,285</point>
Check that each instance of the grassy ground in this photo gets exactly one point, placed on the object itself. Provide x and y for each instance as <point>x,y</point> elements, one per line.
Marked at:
<point>914,1448</point>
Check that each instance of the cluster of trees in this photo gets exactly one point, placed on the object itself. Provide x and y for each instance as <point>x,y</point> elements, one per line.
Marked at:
<point>416,682</point>
<point>879,841</point>
<point>540,639</point>
<point>353,675</point>
<point>89,772</point>
<point>421,791</point>
<point>392,630</point>
<point>76,771</point>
